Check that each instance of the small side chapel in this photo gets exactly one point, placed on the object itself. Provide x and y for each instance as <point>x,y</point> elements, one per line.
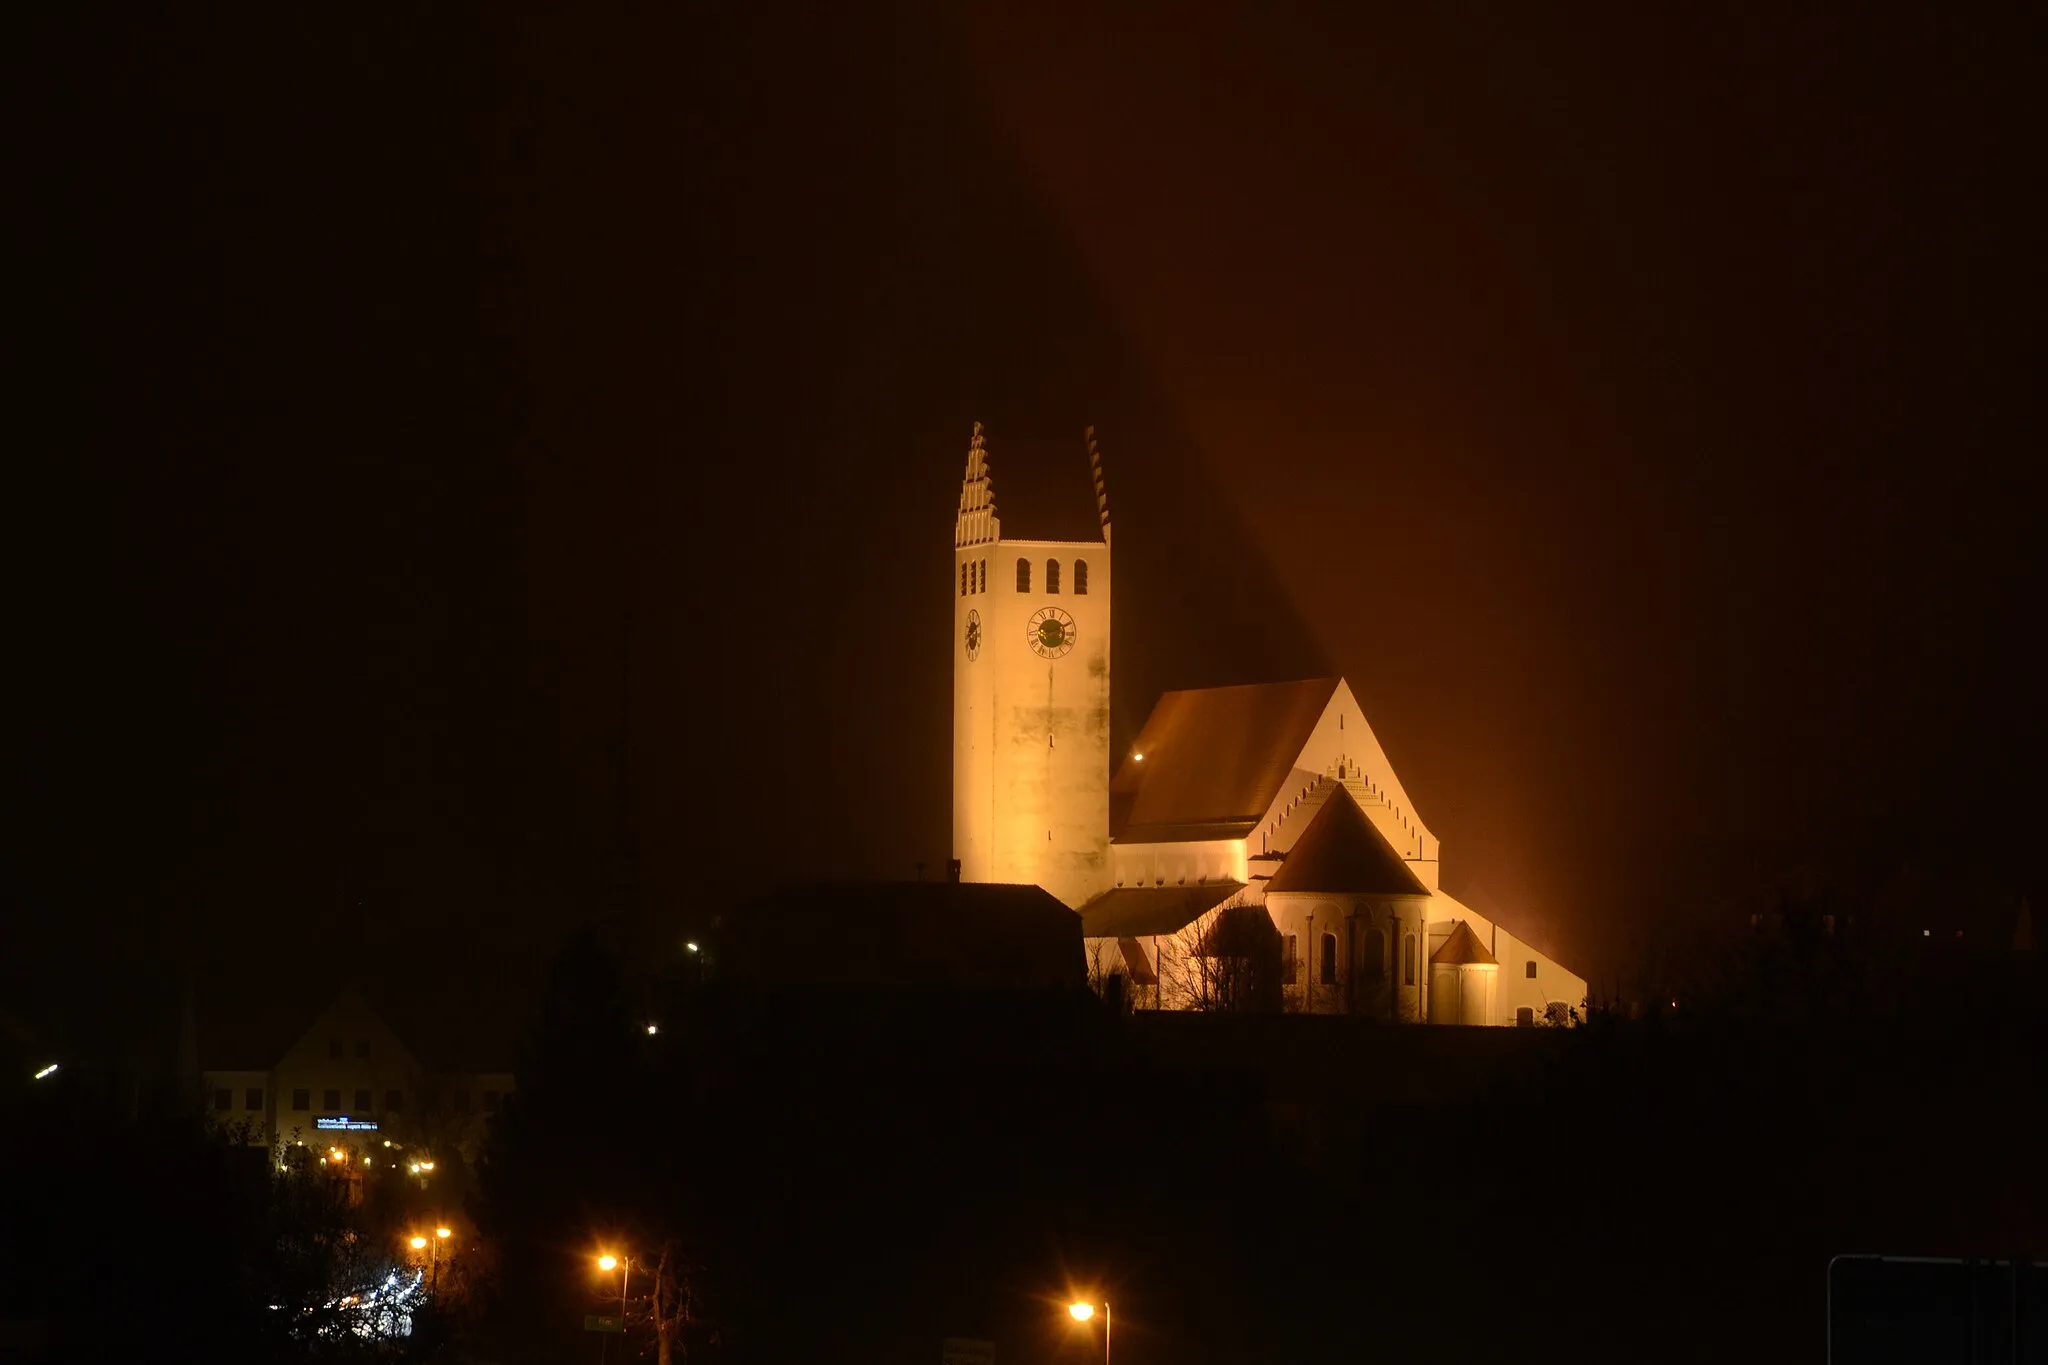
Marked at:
<point>1254,838</point>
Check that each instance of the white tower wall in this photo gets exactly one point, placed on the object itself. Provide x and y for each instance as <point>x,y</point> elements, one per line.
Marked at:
<point>1030,714</point>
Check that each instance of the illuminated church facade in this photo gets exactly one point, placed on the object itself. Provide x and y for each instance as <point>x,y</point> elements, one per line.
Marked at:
<point>1255,839</point>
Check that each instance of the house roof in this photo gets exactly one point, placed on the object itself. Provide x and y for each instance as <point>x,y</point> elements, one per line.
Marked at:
<point>1213,759</point>
<point>1142,911</point>
<point>1043,489</point>
<point>1341,853</point>
<point>1463,949</point>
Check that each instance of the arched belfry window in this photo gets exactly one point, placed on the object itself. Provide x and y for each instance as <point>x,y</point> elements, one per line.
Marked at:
<point>1080,578</point>
<point>1328,973</point>
<point>1023,575</point>
<point>981,576</point>
<point>963,578</point>
<point>1052,575</point>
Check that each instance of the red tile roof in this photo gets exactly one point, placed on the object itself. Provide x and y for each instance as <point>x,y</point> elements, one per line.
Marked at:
<point>1341,853</point>
<point>1463,949</point>
<point>1142,911</point>
<point>1214,759</point>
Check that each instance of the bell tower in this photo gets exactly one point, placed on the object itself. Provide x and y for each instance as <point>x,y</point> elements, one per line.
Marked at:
<point>1031,583</point>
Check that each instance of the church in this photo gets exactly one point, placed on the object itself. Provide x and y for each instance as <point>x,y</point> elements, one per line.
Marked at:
<point>1253,849</point>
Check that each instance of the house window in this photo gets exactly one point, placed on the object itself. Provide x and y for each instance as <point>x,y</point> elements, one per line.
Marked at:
<point>302,1100</point>
<point>252,1098</point>
<point>1291,941</point>
<point>1052,575</point>
<point>1023,575</point>
<point>462,1101</point>
<point>330,1100</point>
<point>334,1047</point>
<point>363,1101</point>
<point>1530,971</point>
<point>490,1101</point>
<point>1328,973</point>
<point>393,1101</point>
<point>362,1047</point>
<point>1408,960</point>
<point>1080,578</point>
<point>1525,1017</point>
<point>223,1100</point>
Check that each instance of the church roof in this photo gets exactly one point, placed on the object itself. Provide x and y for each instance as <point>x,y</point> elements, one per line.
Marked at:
<point>1340,853</point>
<point>1142,911</point>
<point>1463,949</point>
<point>1044,489</point>
<point>1214,759</point>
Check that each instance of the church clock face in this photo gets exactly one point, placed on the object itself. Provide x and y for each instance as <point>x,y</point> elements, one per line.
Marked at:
<point>973,634</point>
<point>1051,632</point>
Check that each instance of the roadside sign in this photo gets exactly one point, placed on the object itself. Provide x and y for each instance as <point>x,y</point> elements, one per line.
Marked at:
<point>962,1351</point>
<point>604,1324</point>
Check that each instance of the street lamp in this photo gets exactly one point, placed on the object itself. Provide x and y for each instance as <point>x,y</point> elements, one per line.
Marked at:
<point>624,1265</point>
<point>1081,1311</point>
<point>421,1243</point>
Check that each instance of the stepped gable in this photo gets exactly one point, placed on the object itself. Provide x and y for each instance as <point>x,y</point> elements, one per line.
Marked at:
<point>1214,760</point>
<point>1340,853</point>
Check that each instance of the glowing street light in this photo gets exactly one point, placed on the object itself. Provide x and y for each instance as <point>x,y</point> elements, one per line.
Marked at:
<point>691,946</point>
<point>1081,1312</point>
<point>420,1243</point>
<point>51,1069</point>
<point>653,1029</point>
<point>624,1265</point>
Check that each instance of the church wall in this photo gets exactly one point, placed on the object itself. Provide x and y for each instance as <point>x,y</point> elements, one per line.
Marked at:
<point>1351,920</point>
<point>1514,988</point>
<point>973,712</point>
<point>1191,863</point>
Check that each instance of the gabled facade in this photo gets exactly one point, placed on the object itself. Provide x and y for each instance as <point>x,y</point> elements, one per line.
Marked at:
<point>349,1078</point>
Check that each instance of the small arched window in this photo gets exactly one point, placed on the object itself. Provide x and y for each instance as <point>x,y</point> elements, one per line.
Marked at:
<point>963,578</point>
<point>1408,960</point>
<point>1328,974</point>
<point>1023,575</point>
<point>981,576</point>
<point>1080,578</point>
<point>1052,575</point>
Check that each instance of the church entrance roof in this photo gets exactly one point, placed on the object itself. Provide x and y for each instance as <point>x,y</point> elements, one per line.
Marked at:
<point>1214,760</point>
<point>1341,853</point>
<point>1142,911</point>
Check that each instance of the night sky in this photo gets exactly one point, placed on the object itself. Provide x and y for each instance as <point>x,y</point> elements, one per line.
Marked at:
<point>425,412</point>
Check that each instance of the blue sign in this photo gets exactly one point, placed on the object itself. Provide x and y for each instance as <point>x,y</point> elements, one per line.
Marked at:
<point>342,1123</point>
